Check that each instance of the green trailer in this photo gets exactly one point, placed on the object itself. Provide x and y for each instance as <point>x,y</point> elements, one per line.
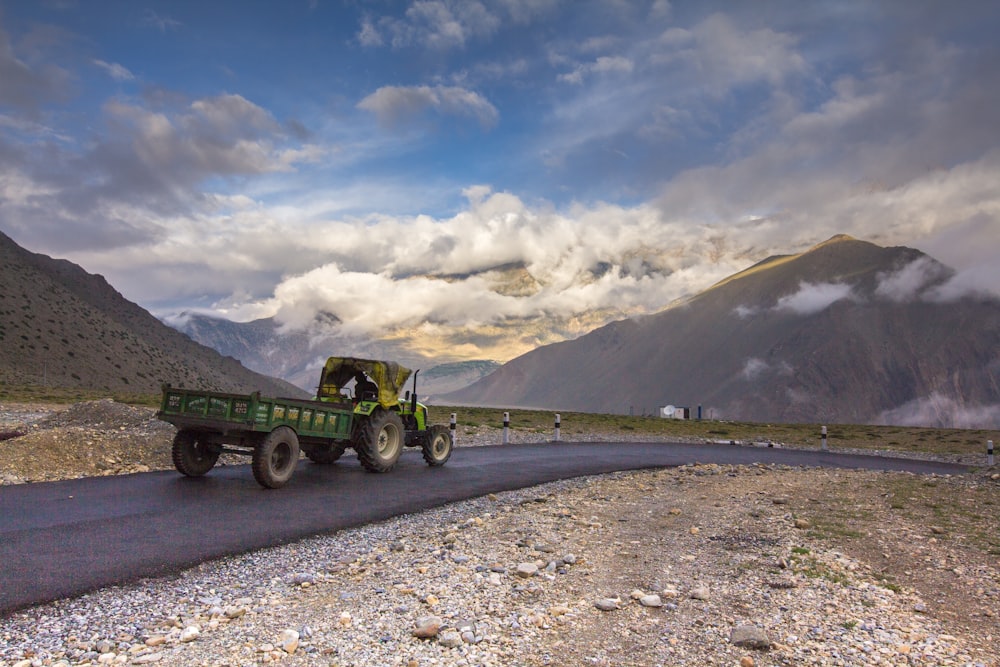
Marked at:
<point>357,406</point>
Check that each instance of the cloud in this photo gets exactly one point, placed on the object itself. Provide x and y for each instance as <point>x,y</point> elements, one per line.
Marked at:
<point>495,280</point>
<point>962,245</point>
<point>722,55</point>
<point>448,24</point>
<point>395,104</point>
<point>909,282</point>
<point>115,71</point>
<point>812,298</point>
<point>939,411</point>
<point>603,65</point>
<point>433,24</point>
<point>161,23</point>
<point>148,167</point>
<point>753,368</point>
<point>26,86</point>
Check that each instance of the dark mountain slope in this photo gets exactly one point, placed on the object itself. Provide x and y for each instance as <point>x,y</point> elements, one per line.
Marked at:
<point>62,326</point>
<point>774,343</point>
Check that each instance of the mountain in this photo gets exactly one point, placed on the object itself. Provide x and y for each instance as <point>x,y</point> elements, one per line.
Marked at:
<point>62,326</point>
<point>845,332</point>
<point>445,378</point>
<point>260,345</point>
<point>297,356</point>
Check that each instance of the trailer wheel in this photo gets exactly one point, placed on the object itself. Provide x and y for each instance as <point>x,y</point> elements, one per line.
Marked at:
<point>275,456</point>
<point>192,455</point>
<point>326,453</point>
<point>379,441</point>
<point>437,445</point>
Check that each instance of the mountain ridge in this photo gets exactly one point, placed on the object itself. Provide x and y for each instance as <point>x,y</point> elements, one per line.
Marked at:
<point>63,326</point>
<point>830,334</point>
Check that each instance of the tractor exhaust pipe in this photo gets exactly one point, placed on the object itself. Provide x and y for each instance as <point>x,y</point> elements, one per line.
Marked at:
<point>413,397</point>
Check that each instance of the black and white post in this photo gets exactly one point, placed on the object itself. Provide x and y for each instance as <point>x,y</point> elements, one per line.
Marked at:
<point>556,438</point>
<point>822,433</point>
<point>452,427</point>
<point>989,452</point>
<point>506,429</point>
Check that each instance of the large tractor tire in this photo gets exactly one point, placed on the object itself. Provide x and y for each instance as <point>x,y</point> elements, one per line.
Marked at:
<point>379,441</point>
<point>326,454</point>
<point>437,445</point>
<point>192,455</point>
<point>275,457</point>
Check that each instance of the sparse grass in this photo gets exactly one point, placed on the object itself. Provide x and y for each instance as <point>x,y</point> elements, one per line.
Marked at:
<point>814,569</point>
<point>843,436</point>
<point>66,395</point>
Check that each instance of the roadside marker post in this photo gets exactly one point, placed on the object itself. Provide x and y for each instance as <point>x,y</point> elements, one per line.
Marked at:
<point>822,433</point>
<point>506,429</point>
<point>452,427</point>
<point>557,428</point>
<point>989,452</point>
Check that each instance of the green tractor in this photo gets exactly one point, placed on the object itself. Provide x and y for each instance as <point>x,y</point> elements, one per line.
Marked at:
<point>384,422</point>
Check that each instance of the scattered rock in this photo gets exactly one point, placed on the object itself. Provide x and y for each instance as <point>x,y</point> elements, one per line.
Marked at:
<point>750,636</point>
<point>427,627</point>
<point>607,604</point>
<point>289,641</point>
<point>450,639</point>
<point>700,593</point>
<point>525,570</point>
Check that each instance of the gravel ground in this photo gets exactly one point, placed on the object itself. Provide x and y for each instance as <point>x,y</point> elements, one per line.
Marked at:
<point>699,565</point>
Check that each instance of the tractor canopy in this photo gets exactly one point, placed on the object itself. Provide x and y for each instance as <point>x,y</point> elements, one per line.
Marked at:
<point>338,371</point>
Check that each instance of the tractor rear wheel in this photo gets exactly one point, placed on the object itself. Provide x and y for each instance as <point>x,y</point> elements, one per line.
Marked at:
<point>437,445</point>
<point>275,457</point>
<point>193,456</point>
<point>379,441</point>
<point>326,453</point>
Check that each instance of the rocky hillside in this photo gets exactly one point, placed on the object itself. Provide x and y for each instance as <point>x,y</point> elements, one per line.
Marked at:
<point>846,332</point>
<point>61,326</point>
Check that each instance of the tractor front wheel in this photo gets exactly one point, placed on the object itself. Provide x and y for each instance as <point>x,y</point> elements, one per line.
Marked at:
<point>379,441</point>
<point>192,455</point>
<point>275,457</point>
<point>437,445</point>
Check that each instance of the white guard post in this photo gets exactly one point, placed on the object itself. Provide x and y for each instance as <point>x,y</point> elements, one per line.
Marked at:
<point>557,428</point>
<point>452,425</point>
<point>506,429</point>
<point>823,436</point>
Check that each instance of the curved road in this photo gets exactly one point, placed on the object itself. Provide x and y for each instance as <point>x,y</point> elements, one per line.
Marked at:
<point>61,539</point>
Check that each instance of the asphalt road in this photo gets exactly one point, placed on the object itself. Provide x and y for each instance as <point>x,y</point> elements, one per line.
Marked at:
<point>63,539</point>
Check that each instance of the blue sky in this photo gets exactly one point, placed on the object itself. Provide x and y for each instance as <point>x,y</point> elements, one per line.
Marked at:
<point>478,178</point>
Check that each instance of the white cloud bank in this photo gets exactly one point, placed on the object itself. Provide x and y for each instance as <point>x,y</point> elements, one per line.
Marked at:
<point>938,411</point>
<point>812,299</point>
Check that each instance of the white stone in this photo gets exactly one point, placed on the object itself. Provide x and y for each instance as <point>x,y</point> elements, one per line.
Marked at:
<point>289,641</point>
<point>525,570</point>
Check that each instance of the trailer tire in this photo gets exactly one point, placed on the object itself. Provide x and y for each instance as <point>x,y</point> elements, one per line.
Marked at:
<point>437,445</point>
<point>275,457</point>
<point>193,456</point>
<point>326,454</point>
<point>379,441</point>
